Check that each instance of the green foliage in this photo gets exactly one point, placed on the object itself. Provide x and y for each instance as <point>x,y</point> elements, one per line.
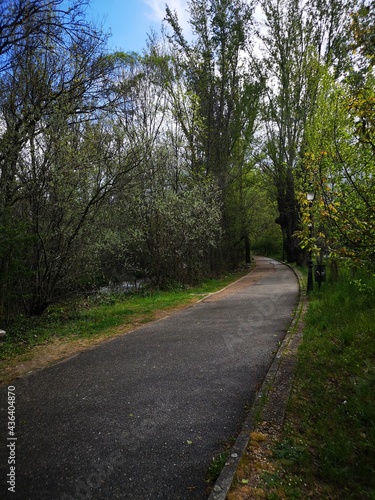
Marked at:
<point>167,235</point>
<point>252,199</point>
<point>339,166</point>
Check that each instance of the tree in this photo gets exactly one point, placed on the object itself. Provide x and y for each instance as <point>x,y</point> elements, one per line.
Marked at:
<point>164,224</point>
<point>28,21</point>
<point>363,24</point>
<point>299,39</point>
<point>223,97</point>
<point>340,165</point>
<point>54,76</point>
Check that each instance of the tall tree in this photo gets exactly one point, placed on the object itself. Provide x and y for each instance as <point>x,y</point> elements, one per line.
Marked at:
<point>223,94</point>
<point>340,165</point>
<point>163,225</point>
<point>54,75</point>
<point>339,160</point>
<point>298,38</point>
<point>363,30</point>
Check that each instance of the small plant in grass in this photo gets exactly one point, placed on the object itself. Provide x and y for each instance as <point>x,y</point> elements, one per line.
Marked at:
<point>288,451</point>
<point>217,466</point>
<point>278,487</point>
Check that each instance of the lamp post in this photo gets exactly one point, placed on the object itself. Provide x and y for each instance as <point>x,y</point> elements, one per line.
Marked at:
<point>310,195</point>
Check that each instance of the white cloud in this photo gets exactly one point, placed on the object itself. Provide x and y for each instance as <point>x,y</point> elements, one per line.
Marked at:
<point>156,9</point>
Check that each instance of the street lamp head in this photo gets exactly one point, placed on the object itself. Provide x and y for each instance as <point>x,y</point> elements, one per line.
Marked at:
<point>310,195</point>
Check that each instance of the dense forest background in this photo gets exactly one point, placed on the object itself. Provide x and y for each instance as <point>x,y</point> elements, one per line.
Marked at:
<point>177,163</point>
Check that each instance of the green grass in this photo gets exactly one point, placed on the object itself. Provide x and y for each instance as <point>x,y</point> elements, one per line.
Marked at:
<point>99,315</point>
<point>328,448</point>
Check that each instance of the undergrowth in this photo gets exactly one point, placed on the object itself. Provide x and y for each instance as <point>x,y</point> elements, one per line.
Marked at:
<point>328,448</point>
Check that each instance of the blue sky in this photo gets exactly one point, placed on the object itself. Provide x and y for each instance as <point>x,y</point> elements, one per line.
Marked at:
<point>131,20</point>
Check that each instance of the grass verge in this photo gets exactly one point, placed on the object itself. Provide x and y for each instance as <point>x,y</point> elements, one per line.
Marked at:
<point>326,448</point>
<point>89,320</point>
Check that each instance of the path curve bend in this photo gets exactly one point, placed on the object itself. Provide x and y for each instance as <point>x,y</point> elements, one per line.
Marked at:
<point>142,416</point>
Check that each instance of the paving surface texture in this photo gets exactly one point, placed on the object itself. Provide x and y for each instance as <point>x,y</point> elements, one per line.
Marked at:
<point>142,416</point>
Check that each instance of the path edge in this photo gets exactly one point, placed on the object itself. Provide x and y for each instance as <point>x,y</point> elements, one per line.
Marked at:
<point>274,386</point>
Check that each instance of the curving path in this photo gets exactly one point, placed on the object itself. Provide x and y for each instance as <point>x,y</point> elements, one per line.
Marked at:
<point>142,416</point>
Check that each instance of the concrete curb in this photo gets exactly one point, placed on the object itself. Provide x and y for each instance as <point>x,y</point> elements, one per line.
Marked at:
<point>272,398</point>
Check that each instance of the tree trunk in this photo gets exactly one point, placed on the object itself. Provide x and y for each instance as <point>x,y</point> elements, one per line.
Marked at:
<point>247,249</point>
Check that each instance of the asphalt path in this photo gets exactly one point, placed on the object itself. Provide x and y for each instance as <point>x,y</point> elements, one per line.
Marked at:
<point>142,416</point>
